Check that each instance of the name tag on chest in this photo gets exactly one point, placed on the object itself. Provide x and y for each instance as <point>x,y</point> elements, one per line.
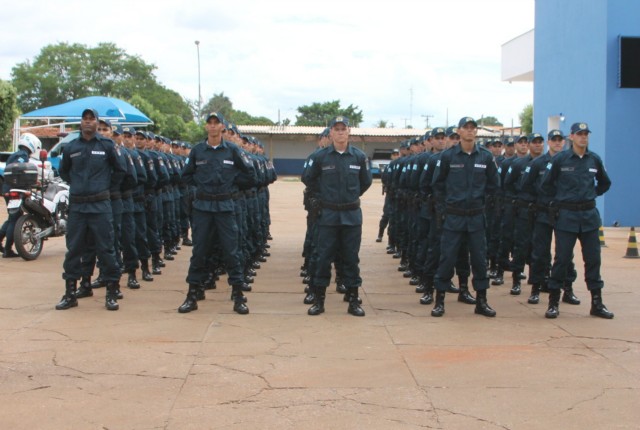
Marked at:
<point>480,166</point>
<point>354,167</point>
<point>229,162</point>
<point>97,153</point>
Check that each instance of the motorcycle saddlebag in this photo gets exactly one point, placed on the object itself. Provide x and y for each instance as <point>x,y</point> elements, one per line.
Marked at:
<point>21,175</point>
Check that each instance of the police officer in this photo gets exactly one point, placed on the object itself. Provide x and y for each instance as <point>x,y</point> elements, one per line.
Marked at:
<point>27,145</point>
<point>464,175</point>
<point>386,209</point>
<point>341,174</point>
<point>90,164</point>
<point>578,176</point>
<point>212,167</point>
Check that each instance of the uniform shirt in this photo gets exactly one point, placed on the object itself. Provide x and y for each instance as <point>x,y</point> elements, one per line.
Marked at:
<point>91,167</point>
<point>339,179</point>
<point>464,180</point>
<point>426,178</point>
<point>20,156</point>
<point>213,171</point>
<point>512,180</point>
<point>530,181</point>
<point>574,179</point>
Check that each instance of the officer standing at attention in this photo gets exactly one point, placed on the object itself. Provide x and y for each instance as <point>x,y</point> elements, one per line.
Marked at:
<point>578,176</point>
<point>212,167</point>
<point>465,175</point>
<point>90,165</point>
<point>340,173</point>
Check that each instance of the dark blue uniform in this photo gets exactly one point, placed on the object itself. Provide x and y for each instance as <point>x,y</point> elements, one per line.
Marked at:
<point>575,182</point>
<point>91,168</point>
<point>214,171</point>
<point>340,180</point>
<point>464,180</point>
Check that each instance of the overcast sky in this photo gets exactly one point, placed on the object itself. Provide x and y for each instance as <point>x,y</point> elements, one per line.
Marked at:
<point>396,60</point>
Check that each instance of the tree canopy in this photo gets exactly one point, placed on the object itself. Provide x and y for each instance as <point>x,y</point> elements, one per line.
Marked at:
<point>8,112</point>
<point>319,114</point>
<point>66,72</point>
<point>221,103</point>
<point>490,120</point>
<point>526,119</point>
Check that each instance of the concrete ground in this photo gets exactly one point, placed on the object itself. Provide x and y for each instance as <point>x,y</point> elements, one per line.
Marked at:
<point>148,367</point>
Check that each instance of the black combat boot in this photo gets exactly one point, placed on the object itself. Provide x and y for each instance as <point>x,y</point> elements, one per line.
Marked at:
<point>111,299</point>
<point>310,296</point>
<point>391,250</point>
<point>568,296</point>
<point>380,234</point>
<point>318,304</point>
<point>493,269</point>
<point>69,299</point>
<point>340,288</point>
<point>303,271</point>
<point>306,279</point>
<point>598,309</point>
<point>554,303</point>
<point>239,305</point>
<point>155,264</point>
<point>168,255</point>
<point>499,279</point>
<point>427,297</point>
<point>452,288</point>
<point>534,298</point>
<point>99,282</point>
<point>516,288</point>
<point>200,295</point>
<point>85,289</point>
<point>464,295</point>
<point>354,303</point>
<point>191,302</point>
<point>132,281</point>
<point>415,280</point>
<point>438,309</point>
<point>210,282</point>
<point>146,275</point>
<point>482,307</point>
<point>422,286</point>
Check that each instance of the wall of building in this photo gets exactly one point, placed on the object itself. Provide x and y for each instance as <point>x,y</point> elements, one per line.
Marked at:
<point>576,61</point>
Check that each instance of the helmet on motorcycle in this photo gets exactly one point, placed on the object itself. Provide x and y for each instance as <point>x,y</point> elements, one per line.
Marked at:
<point>29,142</point>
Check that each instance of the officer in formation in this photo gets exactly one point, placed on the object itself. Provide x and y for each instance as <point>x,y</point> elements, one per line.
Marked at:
<point>92,167</point>
<point>337,175</point>
<point>229,212</point>
<point>27,145</point>
<point>575,177</point>
<point>386,210</point>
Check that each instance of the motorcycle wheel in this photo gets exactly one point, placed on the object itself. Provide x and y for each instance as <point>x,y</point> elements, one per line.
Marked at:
<point>27,246</point>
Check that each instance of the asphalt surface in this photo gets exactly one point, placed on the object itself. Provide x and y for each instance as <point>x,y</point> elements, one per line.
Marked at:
<point>148,367</point>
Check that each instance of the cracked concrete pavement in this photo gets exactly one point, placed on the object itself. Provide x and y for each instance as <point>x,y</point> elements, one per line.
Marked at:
<point>148,367</point>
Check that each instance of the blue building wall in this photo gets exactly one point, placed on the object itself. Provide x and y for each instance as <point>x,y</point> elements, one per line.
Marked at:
<point>576,74</point>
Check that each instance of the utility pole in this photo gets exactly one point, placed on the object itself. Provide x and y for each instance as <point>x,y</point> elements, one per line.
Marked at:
<point>411,105</point>
<point>426,117</point>
<point>199,90</point>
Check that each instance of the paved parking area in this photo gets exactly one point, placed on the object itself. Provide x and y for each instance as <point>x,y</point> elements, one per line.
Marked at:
<point>148,367</point>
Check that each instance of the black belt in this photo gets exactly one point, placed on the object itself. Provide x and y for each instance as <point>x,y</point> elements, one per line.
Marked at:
<point>452,210</point>
<point>237,196</point>
<point>105,195</point>
<point>138,198</point>
<point>213,197</point>
<point>127,194</point>
<point>149,192</point>
<point>250,193</point>
<point>116,195</point>
<point>341,206</point>
<point>576,206</point>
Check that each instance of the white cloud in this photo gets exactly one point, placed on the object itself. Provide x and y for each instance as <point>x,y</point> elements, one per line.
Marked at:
<point>282,54</point>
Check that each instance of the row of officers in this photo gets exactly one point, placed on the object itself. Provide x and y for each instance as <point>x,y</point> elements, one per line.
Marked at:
<point>454,205</point>
<point>134,195</point>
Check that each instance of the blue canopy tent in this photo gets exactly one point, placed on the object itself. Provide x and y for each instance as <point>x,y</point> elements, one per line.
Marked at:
<point>110,108</point>
<point>107,107</point>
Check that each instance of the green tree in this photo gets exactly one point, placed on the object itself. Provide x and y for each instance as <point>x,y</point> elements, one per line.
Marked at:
<point>243,118</point>
<point>319,114</point>
<point>218,103</point>
<point>8,113</point>
<point>193,133</point>
<point>526,119</point>
<point>490,120</point>
<point>64,72</point>
<point>381,124</point>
